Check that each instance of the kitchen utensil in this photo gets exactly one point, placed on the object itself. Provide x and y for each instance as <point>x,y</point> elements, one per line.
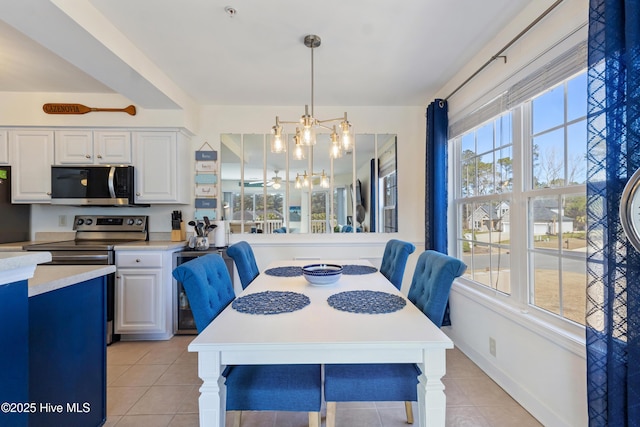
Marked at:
<point>211,228</point>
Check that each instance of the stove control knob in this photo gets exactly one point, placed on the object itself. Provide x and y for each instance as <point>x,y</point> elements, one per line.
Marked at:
<point>130,221</point>
<point>80,221</point>
<point>139,221</point>
<point>89,221</point>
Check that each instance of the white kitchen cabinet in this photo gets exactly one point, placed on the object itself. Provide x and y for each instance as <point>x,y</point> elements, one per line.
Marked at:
<point>85,147</point>
<point>31,157</point>
<point>4,147</point>
<point>143,295</point>
<point>160,159</point>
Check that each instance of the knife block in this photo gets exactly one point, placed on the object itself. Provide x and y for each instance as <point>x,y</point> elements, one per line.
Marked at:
<point>179,235</point>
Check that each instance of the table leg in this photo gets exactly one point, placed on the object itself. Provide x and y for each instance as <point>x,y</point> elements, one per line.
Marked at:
<point>432,402</point>
<point>212,401</point>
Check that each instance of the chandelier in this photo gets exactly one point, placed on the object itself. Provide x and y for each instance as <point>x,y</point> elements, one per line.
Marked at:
<point>305,181</point>
<point>305,134</point>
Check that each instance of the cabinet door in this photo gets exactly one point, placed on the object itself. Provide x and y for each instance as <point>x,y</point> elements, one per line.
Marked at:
<point>113,147</point>
<point>156,160</point>
<point>74,147</point>
<point>31,159</point>
<point>139,301</point>
<point>4,147</point>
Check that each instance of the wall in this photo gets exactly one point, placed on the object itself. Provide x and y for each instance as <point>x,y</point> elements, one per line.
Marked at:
<point>543,367</point>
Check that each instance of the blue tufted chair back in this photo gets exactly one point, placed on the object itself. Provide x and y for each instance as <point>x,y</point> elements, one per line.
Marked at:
<point>431,283</point>
<point>242,255</point>
<point>394,260</point>
<point>208,286</point>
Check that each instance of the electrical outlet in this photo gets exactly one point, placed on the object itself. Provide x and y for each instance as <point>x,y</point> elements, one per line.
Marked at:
<point>492,346</point>
<point>62,220</point>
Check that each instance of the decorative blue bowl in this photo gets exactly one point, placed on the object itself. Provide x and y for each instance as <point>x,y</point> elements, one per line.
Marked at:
<point>322,274</point>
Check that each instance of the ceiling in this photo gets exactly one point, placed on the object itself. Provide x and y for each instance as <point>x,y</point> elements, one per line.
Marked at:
<point>169,53</point>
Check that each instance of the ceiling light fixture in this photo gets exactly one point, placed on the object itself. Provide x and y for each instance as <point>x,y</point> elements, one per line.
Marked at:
<point>308,124</point>
<point>277,181</point>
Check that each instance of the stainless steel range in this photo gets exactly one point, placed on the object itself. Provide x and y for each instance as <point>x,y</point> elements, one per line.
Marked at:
<point>96,237</point>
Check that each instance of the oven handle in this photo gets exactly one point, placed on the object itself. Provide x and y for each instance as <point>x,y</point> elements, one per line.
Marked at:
<point>112,173</point>
<point>81,259</point>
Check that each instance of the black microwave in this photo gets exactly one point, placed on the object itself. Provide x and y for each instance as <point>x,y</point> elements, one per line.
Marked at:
<point>92,185</point>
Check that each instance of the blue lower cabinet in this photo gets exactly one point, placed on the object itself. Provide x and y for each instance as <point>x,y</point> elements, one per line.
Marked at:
<point>14,354</point>
<point>67,356</point>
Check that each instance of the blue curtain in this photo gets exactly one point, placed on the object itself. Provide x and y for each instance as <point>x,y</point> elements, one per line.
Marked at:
<point>435,227</point>
<point>613,265</point>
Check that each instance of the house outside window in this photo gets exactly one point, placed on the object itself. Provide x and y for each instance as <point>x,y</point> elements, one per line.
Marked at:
<point>518,189</point>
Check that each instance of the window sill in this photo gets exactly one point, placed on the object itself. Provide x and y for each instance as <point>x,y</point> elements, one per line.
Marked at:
<point>563,333</point>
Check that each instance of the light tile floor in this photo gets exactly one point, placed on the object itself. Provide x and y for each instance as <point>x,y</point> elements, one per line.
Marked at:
<point>155,384</point>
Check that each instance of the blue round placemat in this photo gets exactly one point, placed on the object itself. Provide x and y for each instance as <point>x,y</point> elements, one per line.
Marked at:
<point>355,269</point>
<point>271,302</point>
<point>370,302</point>
<point>287,271</point>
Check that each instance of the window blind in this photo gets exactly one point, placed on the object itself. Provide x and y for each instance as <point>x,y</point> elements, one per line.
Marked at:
<point>561,68</point>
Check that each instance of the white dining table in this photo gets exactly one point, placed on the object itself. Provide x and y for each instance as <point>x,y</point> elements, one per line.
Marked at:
<point>319,333</point>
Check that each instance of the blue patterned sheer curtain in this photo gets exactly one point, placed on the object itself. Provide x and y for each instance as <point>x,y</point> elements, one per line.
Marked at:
<point>613,265</point>
<point>435,227</point>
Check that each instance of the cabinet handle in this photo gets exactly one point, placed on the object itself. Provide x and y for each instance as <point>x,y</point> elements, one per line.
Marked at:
<point>87,156</point>
<point>99,156</point>
<point>137,194</point>
<point>48,193</point>
<point>138,260</point>
<point>117,277</point>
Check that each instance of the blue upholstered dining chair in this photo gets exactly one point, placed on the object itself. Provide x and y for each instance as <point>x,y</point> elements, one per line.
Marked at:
<point>245,261</point>
<point>394,260</point>
<point>209,290</point>
<point>430,287</point>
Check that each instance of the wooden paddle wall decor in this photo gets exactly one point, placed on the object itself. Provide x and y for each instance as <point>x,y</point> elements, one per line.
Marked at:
<point>83,109</point>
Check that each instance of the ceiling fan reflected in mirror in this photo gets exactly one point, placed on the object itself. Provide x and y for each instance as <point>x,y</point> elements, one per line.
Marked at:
<point>275,182</point>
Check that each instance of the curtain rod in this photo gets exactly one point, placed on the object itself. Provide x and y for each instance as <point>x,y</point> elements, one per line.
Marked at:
<point>507,46</point>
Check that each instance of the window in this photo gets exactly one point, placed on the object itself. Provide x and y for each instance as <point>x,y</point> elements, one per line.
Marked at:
<point>519,191</point>
<point>485,189</point>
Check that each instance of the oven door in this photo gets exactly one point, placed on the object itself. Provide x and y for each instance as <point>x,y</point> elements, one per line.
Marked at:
<point>82,258</point>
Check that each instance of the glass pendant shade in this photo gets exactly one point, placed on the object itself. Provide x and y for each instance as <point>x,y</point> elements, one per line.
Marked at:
<point>347,135</point>
<point>335,151</point>
<point>278,141</point>
<point>324,181</point>
<point>298,150</point>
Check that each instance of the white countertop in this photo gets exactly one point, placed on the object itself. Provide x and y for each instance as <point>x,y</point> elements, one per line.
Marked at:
<point>16,266</point>
<point>49,278</point>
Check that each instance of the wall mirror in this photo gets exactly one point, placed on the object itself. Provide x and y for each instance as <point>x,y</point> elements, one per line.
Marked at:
<point>309,192</point>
